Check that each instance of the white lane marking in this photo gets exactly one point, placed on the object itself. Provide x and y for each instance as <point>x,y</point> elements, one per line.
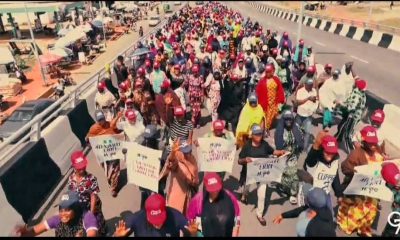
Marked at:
<point>319,43</point>
<point>359,59</point>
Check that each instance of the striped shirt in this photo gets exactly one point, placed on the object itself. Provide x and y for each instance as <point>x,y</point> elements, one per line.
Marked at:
<point>179,130</point>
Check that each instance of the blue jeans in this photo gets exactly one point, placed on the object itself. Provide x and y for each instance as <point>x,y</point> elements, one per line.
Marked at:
<point>306,124</point>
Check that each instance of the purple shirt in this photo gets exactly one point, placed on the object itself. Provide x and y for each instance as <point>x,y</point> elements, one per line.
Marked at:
<point>89,222</point>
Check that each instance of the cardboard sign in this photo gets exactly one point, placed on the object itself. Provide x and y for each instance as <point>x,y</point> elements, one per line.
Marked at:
<point>367,181</point>
<point>143,166</point>
<point>216,154</point>
<point>107,147</point>
<point>263,170</point>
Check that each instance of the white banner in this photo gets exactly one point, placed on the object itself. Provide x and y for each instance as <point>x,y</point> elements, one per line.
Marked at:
<point>143,166</point>
<point>367,181</point>
<point>107,147</point>
<point>263,170</point>
<point>216,154</point>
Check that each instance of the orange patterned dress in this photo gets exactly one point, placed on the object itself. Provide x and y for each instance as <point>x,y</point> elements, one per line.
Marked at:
<point>272,110</point>
<point>357,213</point>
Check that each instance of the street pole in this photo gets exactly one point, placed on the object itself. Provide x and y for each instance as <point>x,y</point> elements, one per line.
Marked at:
<point>34,46</point>
<point>102,24</point>
<point>300,24</point>
<point>370,13</point>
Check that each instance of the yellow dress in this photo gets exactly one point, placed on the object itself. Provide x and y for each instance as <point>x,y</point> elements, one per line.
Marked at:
<point>248,117</point>
<point>272,110</point>
<point>357,213</point>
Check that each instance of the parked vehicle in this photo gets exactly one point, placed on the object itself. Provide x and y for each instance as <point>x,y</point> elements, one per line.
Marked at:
<point>154,21</point>
<point>22,115</point>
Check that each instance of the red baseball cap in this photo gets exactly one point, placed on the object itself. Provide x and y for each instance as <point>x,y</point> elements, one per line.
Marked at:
<point>79,160</point>
<point>391,173</point>
<point>177,66</point>
<point>166,84</point>
<point>130,115</point>
<point>213,182</point>
<point>218,125</point>
<point>328,65</point>
<point>101,86</point>
<point>361,84</point>
<point>195,69</point>
<point>269,68</point>
<point>141,71</point>
<point>156,65</point>
<point>147,63</point>
<point>310,69</point>
<point>156,210</point>
<point>378,116</point>
<point>330,145</point>
<point>368,134</point>
<point>178,111</point>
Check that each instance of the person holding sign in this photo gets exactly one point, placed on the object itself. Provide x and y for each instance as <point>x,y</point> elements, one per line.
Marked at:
<point>218,131</point>
<point>357,213</point>
<point>289,137</point>
<point>184,179</point>
<point>156,220</point>
<point>322,164</point>
<point>180,128</point>
<point>391,174</point>
<point>257,147</point>
<point>103,127</point>
<point>252,113</point>
<point>216,210</point>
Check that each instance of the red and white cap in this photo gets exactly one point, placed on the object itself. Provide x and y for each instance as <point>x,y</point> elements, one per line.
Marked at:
<point>330,144</point>
<point>368,134</point>
<point>212,182</point>
<point>218,125</point>
<point>79,160</point>
<point>378,116</point>
<point>179,111</point>
<point>130,115</point>
<point>156,210</point>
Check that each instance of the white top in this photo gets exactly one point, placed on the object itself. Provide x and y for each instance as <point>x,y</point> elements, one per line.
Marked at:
<point>105,99</point>
<point>134,132</point>
<point>332,90</point>
<point>323,175</point>
<point>308,108</point>
<point>241,73</point>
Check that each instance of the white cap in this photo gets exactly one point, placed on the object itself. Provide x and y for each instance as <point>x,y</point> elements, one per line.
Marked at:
<point>265,48</point>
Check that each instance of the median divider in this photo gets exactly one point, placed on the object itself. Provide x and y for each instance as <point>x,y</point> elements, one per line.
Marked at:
<point>80,121</point>
<point>61,142</point>
<point>26,181</point>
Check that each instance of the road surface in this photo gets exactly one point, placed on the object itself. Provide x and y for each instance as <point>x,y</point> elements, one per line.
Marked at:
<point>334,51</point>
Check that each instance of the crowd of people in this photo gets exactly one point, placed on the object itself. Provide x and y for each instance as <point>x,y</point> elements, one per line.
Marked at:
<point>254,88</point>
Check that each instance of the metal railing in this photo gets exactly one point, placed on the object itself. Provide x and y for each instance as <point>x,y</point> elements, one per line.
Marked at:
<point>372,26</point>
<point>67,101</point>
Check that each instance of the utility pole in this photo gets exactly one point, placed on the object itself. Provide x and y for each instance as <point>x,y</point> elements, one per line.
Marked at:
<point>300,24</point>
<point>370,13</point>
<point>35,47</point>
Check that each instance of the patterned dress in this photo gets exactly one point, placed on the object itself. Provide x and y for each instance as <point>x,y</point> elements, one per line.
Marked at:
<point>290,180</point>
<point>85,188</point>
<point>196,95</point>
<point>357,213</point>
<point>214,96</point>
<point>272,110</point>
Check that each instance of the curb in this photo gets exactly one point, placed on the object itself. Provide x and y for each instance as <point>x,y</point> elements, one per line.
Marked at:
<point>376,38</point>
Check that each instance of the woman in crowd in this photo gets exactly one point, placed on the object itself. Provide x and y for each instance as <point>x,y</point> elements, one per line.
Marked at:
<point>112,168</point>
<point>271,95</point>
<point>357,213</point>
<point>252,114</point>
<point>72,221</point>
<point>289,137</point>
<point>86,185</point>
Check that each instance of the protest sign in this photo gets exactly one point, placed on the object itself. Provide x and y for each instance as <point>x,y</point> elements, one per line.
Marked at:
<point>367,181</point>
<point>107,147</point>
<point>263,170</point>
<point>143,166</point>
<point>216,155</point>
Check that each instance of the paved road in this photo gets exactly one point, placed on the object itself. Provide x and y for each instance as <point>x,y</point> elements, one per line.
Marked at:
<point>377,65</point>
<point>128,199</point>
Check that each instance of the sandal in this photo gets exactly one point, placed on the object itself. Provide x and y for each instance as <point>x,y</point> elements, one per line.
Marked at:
<point>262,221</point>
